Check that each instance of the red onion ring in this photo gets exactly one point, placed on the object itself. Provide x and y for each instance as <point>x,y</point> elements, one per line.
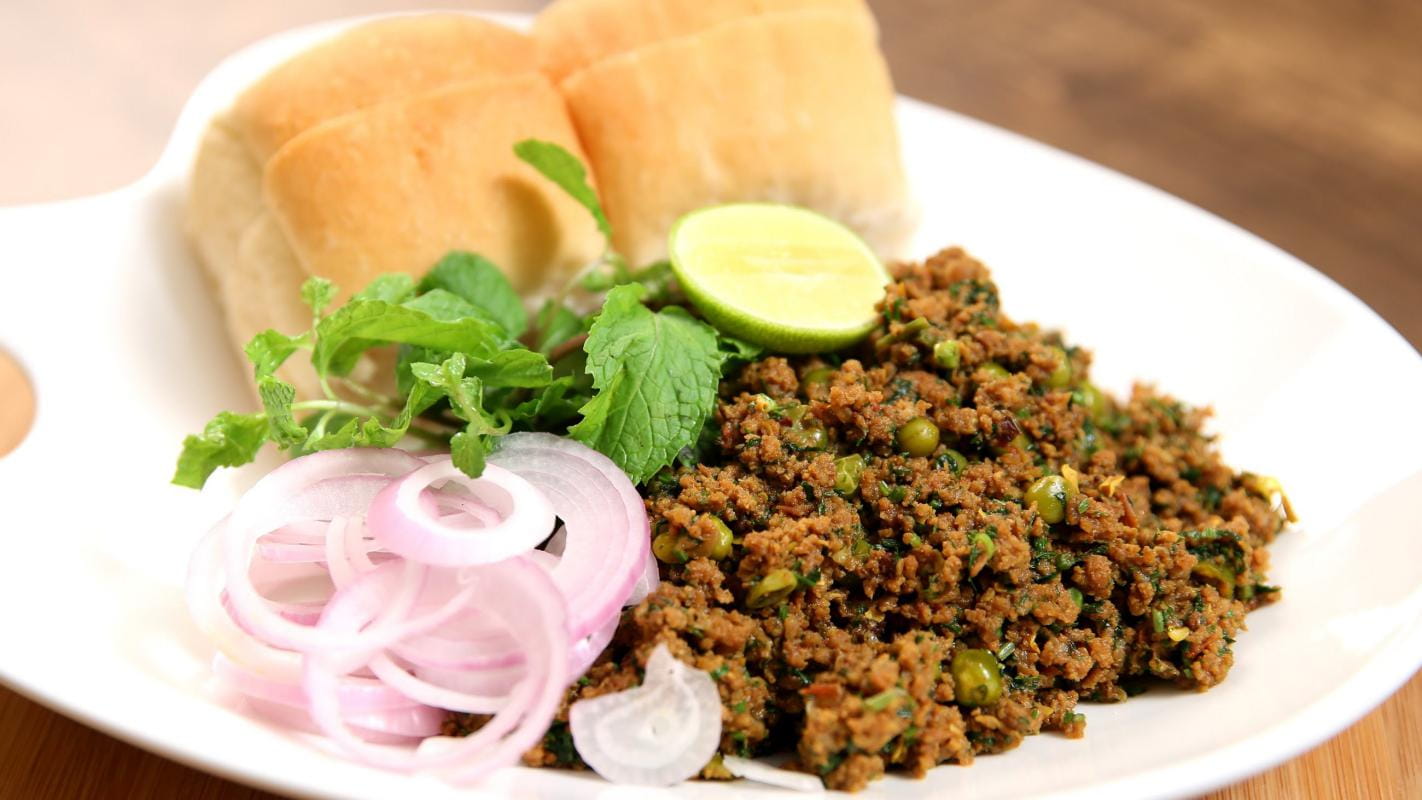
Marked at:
<point>405,527</point>
<point>432,596</point>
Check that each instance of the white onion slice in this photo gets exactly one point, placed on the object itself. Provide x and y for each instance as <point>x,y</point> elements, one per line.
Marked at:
<point>753,770</point>
<point>658,734</point>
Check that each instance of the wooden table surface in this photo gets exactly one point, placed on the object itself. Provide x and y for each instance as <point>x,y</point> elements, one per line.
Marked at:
<point>1299,120</point>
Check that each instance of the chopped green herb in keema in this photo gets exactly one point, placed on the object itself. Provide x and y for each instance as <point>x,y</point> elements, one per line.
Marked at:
<point>634,383</point>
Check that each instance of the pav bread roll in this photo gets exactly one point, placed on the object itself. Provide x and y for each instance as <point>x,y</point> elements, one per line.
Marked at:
<point>397,186</point>
<point>573,34</point>
<point>793,107</point>
<point>380,151</point>
<point>372,64</point>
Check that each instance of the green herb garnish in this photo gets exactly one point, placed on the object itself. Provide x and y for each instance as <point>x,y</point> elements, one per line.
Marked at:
<point>635,384</point>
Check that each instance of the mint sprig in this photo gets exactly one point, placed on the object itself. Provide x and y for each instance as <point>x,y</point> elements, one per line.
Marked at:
<point>635,383</point>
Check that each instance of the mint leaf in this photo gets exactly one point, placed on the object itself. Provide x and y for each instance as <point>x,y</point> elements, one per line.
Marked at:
<point>738,349</point>
<point>522,368</point>
<point>270,349</point>
<point>338,439</point>
<point>476,280</point>
<point>563,168</point>
<point>445,306</point>
<point>656,376</point>
<point>228,440</point>
<point>317,293</point>
<point>466,400</point>
<point>277,396</point>
<point>465,395</point>
<point>391,287</point>
<point>362,324</point>
<point>553,407</point>
<point>556,324</point>
<point>467,451</point>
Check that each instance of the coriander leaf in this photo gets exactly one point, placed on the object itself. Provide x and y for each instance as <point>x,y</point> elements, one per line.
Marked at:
<point>523,368</point>
<point>277,396</point>
<point>656,375</point>
<point>362,324</point>
<point>317,293</point>
<point>556,324</point>
<point>391,287</point>
<point>563,168</point>
<point>228,440</point>
<point>479,282</point>
<point>270,349</point>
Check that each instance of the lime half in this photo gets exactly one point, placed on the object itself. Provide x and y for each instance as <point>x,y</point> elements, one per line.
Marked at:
<point>783,277</point>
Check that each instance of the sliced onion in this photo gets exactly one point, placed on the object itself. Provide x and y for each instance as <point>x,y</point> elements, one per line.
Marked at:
<point>647,583</point>
<point>319,486</point>
<point>363,593</point>
<point>658,734</point>
<point>607,542</point>
<point>521,596</point>
<point>356,694</point>
<point>401,523</point>
<point>753,770</point>
<point>394,727</point>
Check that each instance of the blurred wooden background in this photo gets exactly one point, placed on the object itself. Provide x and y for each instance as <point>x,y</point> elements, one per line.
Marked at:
<point>1300,120</point>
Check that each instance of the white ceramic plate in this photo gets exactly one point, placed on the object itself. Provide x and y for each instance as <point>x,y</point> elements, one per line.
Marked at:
<point>103,305</point>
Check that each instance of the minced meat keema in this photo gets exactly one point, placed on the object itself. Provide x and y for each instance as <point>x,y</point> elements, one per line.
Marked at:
<point>883,610</point>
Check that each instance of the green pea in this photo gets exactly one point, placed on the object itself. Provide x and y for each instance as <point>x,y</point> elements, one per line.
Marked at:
<point>1049,495</point>
<point>1095,402</point>
<point>984,544</point>
<point>861,548</point>
<point>1076,597</point>
<point>952,459</point>
<point>815,380</point>
<point>846,473</point>
<point>918,437</point>
<point>808,435</point>
<point>1221,576</point>
<point>771,589</point>
<point>916,327</point>
<point>681,547</point>
<point>667,548</point>
<point>1061,375</point>
<point>718,546</point>
<point>946,354</point>
<point>977,678</point>
<point>994,371</point>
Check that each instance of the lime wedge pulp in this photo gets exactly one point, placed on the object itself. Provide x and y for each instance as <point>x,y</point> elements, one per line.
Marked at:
<point>783,277</point>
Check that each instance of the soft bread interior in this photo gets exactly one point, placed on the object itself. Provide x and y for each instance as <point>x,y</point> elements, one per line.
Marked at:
<point>793,107</point>
<point>573,34</point>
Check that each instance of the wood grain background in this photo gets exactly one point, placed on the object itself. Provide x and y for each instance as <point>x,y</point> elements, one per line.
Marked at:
<point>1300,120</point>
